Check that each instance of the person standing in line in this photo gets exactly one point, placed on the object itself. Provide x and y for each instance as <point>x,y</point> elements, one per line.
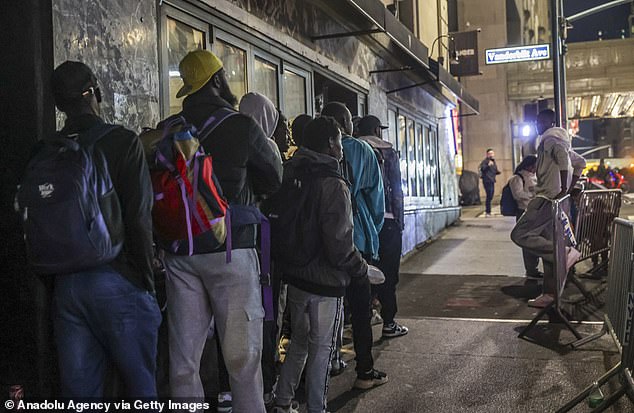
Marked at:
<point>488,172</point>
<point>558,169</point>
<point>362,171</point>
<point>390,237</point>
<point>317,285</point>
<point>522,185</point>
<point>205,285</point>
<point>108,313</point>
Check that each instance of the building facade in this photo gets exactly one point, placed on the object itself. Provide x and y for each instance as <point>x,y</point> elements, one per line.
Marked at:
<point>290,52</point>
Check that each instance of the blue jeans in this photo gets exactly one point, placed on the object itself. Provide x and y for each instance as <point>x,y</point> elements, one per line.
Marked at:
<point>489,189</point>
<point>100,318</point>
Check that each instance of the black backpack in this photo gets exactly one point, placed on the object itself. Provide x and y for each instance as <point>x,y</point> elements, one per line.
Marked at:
<point>508,204</point>
<point>291,211</point>
<point>70,210</point>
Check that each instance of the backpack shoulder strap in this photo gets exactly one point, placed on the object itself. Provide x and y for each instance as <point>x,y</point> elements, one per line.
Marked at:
<point>216,118</point>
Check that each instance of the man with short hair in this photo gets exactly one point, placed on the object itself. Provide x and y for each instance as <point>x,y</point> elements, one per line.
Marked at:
<point>108,314</point>
<point>363,172</point>
<point>390,237</point>
<point>203,286</point>
<point>488,171</point>
<point>558,169</point>
<point>317,285</point>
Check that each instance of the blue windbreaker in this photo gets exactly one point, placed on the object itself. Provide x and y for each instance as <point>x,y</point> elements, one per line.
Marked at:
<point>367,191</point>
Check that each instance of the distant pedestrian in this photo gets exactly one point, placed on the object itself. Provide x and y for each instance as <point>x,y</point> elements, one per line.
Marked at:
<point>390,237</point>
<point>488,172</point>
<point>558,169</point>
<point>522,185</point>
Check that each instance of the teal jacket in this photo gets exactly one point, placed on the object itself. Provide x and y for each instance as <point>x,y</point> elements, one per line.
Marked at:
<point>367,192</point>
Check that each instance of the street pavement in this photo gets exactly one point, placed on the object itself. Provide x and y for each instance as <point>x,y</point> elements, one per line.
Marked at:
<point>463,297</point>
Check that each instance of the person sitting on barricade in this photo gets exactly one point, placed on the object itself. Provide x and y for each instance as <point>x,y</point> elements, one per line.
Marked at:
<point>558,169</point>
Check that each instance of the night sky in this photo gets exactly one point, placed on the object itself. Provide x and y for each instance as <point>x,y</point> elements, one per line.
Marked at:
<point>610,21</point>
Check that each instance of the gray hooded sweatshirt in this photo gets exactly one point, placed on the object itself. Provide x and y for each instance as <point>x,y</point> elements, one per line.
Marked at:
<point>555,154</point>
<point>260,108</point>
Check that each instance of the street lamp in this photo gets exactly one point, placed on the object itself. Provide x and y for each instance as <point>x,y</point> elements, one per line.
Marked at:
<point>454,55</point>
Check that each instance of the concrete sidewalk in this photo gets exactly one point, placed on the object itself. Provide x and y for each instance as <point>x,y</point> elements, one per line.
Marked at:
<point>463,297</point>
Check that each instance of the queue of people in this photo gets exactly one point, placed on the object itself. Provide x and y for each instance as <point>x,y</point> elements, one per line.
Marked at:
<point>232,172</point>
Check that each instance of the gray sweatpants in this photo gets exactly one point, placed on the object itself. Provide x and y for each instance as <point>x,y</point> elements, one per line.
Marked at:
<point>534,232</point>
<point>202,286</point>
<point>314,323</point>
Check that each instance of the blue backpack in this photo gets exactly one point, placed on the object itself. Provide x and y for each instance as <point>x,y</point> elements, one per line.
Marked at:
<point>70,211</point>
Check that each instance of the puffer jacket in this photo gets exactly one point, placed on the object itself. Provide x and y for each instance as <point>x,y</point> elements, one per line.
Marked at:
<point>338,260</point>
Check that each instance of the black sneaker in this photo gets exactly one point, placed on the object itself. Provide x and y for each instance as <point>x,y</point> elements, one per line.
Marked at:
<point>338,368</point>
<point>370,379</point>
<point>394,329</point>
<point>535,276</point>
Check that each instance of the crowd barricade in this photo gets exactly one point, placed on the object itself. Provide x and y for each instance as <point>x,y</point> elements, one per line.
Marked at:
<point>619,319</point>
<point>560,241</point>
<point>595,211</point>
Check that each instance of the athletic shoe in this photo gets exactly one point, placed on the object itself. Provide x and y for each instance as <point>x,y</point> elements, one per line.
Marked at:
<point>394,329</point>
<point>542,301</point>
<point>337,370</point>
<point>370,379</point>
<point>376,318</point>
<point>535,276</point>
<point>224,402</point>
<point>572,256</point>
<point>269,400</point>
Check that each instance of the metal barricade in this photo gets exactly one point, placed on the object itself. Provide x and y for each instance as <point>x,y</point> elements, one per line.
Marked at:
<point>560,208</point>
<point>619,320</point>
<point>596,209</point>
<point>620,267</point>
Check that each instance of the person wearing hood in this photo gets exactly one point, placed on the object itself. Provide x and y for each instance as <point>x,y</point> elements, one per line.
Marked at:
<point>330,260</point>
<point>260,108</point>
<point>390,237</point>
<point>522,185</point>
<point>558,169</point>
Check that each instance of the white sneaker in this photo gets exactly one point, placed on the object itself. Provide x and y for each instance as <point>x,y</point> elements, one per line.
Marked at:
<point>376,318</point>
<point>293,408</point>
<point>572,256</point>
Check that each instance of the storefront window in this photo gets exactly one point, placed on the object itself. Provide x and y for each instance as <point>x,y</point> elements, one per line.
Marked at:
<point>265,79</point>
<point>181,38</point>
<point>433,163</point>
<point>420,159</point>
<point>294,94</point>
<point>402,146</point>
<point>391,132</point>
<point>411,159</point>
<point>234,61</point>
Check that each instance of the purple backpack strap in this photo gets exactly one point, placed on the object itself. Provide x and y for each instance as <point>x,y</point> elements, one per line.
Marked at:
<point>265,276</point>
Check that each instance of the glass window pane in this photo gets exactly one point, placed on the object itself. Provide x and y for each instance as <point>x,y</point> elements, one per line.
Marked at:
<point>392,131</point>
<point>428,160</point>
<point>433,163</point>
<point>411,159</point>
<point>420,159</point>
<point>294,95</point>
<point>402,146</point>
<point>265,79</point>
<point>234,61</point>
<point>181,38</point>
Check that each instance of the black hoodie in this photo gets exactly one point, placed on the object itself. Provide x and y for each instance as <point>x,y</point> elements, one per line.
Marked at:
<point>329,273</point>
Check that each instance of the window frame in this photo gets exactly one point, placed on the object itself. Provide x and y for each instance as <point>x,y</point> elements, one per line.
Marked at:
<point>307,75</point>
<point>169,12</point>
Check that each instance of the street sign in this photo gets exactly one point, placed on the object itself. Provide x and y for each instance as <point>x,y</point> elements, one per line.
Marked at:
<point>517,54</point>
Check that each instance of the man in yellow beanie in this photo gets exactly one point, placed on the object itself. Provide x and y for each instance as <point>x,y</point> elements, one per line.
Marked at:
<point>205,285</point>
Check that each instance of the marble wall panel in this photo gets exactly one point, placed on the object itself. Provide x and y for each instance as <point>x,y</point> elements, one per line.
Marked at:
<point>118,40</point>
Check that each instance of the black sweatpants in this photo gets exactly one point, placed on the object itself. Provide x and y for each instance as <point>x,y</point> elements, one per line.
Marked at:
<point>360,305</point>
<point>390,245</point>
